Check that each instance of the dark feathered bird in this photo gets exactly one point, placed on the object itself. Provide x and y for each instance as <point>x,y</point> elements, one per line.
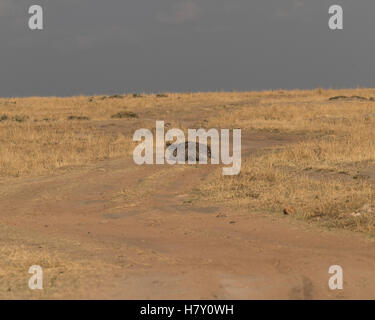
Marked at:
<point>197,154</point>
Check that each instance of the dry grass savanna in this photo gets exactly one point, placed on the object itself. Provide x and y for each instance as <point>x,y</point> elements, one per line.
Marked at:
<point>320,176</point>
<point>328,176</point>
<point>66,173</point>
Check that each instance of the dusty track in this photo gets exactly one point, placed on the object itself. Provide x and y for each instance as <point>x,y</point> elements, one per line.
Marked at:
<point>144,238</point>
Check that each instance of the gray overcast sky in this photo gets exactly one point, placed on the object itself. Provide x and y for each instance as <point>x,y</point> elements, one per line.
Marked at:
<point>115,46</point>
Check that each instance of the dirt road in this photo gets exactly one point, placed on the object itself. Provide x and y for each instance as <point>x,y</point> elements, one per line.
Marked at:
<point>117,230</point>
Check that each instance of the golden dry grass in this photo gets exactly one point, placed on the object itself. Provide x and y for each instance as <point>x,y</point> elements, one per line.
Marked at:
<point>37,134</point>
<point>320,177</point>
<point>46,140</point>
<point>64,275</point>
<point>34,149</point>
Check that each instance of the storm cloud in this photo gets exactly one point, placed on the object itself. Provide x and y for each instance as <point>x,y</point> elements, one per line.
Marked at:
<point>115,46</point>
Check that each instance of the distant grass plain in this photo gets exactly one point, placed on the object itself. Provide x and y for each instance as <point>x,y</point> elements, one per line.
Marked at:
<point>325,175</point>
